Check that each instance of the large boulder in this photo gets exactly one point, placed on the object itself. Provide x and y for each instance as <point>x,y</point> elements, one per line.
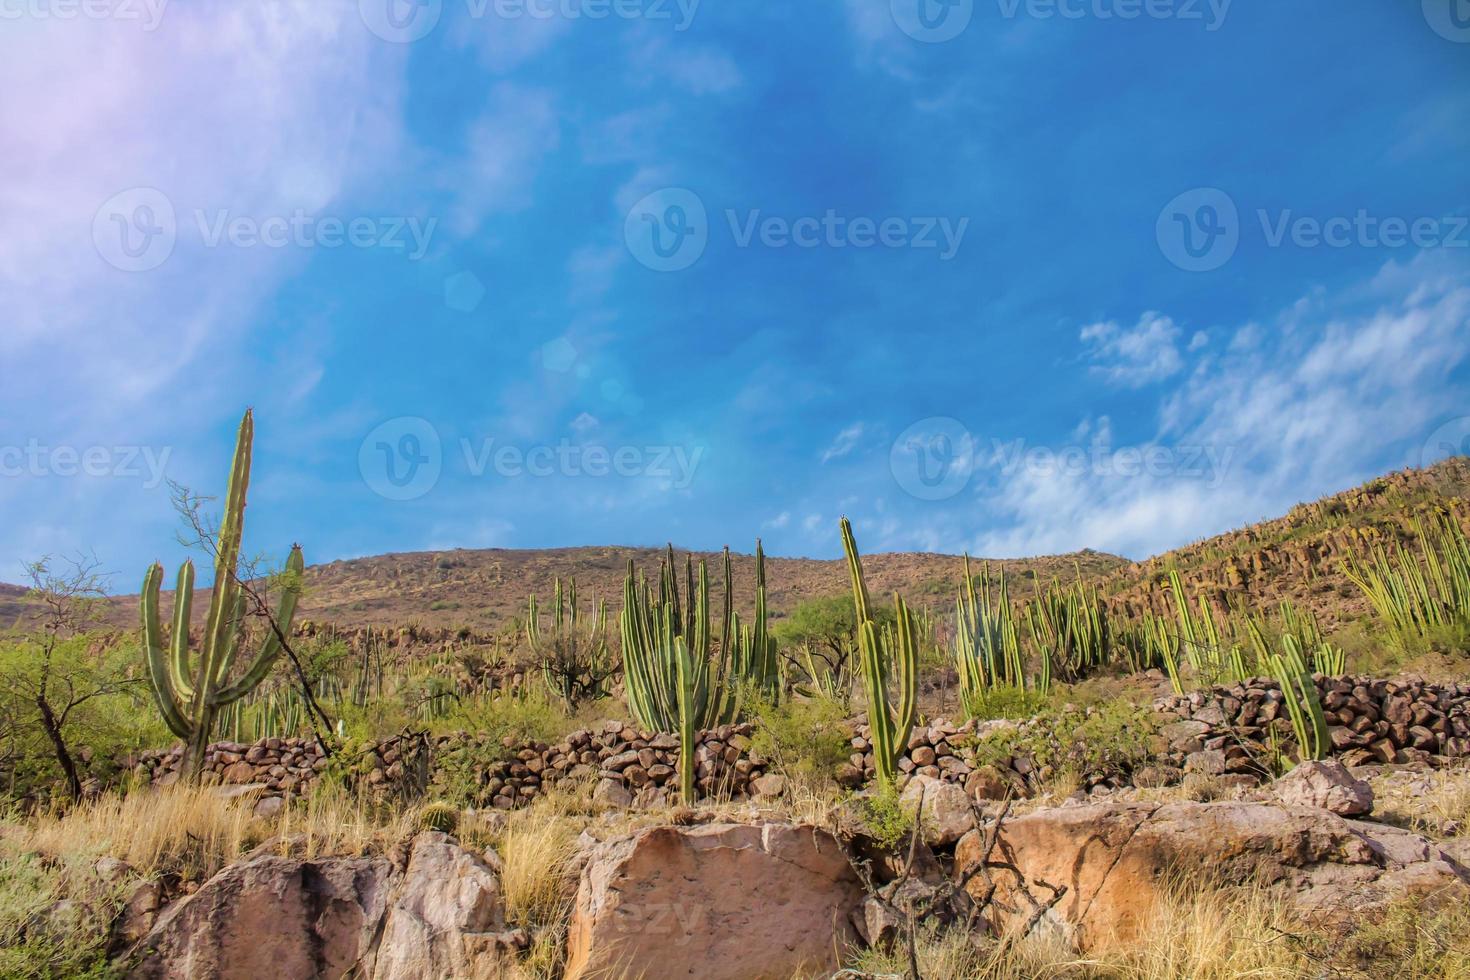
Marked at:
<point>271,917</point>
<point>434,913</point>
<point>716,902</point>
<point>1116,859</point>
<point>447,918</point>
<point>1328,785</point>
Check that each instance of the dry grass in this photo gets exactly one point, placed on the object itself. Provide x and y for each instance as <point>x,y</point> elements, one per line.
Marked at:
<point>536,849</point>
<point>194,831</point>
<point>1212,935</point>
<point>1436,804</point>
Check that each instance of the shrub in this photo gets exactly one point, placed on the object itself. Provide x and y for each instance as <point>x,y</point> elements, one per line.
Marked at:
<point>804,739</point>
<point>1092,743</point>
<point>884,819</point>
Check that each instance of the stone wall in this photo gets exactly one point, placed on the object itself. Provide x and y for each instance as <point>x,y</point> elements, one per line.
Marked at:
<point>1370,721</point>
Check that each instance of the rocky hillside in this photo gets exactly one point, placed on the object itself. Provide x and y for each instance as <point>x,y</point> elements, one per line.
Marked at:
<point>1299,556</point>
<point>1302,555</point>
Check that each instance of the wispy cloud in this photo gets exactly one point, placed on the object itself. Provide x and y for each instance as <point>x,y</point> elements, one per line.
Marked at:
<point>1138,355</point>
<point>846,442</point>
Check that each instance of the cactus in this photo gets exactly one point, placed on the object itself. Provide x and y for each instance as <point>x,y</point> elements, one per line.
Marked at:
<point>1420,596</point>
<point>576,663</point>
<point>190,691</point>
<point>1303,704</point>
<point>883,652</point>
<point>987,648</point>
<point>721,672</point>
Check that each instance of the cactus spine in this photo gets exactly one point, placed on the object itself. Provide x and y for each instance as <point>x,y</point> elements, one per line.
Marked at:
<point>881,652</point>
<point>190,696</point>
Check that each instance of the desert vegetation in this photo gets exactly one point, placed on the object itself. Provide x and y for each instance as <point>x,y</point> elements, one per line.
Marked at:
<point>926,735</point>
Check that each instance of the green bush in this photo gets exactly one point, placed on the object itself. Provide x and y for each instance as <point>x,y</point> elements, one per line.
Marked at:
<point>884,819</point>
<point>54,918</point>
<point>804,739</point>
<point>1098,742</point>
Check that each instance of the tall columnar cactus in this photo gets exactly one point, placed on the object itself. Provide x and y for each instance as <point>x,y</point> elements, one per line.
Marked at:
<point>191,688</point>
<point>678,676</point>
<point>883,652</point>
<point>575,661</point>
<point>1299,690</point>
<point>987,647</point>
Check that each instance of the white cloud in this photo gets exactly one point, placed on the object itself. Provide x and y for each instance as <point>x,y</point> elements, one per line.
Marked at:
<point>1348,378</point>
<point>515,131</point>
<point>845,442</point>
<point>778,522</point>
<point>1134,357</point>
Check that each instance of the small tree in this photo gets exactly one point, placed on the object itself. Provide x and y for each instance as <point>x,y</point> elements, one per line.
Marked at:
<point>55,674</point>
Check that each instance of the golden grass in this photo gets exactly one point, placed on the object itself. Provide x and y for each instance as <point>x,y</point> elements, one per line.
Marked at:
<point>1439,809</point>
<point>536,850</point>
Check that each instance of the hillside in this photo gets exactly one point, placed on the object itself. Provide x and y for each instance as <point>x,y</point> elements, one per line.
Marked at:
<point>1302,555</point>
<point>1298,556</point>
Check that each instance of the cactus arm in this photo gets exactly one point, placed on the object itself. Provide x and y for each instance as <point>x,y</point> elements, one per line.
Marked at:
<point>231,649</point>
<point>178,664</point>
<point>285,612</point>
<point>227,557</point>
<point>908,671</point>
<point>158,668</point>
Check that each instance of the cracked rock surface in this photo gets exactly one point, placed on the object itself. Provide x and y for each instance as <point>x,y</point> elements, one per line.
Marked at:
<point>1116,860</point>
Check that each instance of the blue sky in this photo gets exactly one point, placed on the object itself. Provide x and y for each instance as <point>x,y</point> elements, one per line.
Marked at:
<point>1013,276</point>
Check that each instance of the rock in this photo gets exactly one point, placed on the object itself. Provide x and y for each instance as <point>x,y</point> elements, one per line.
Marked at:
<point>112,870</point>
<point>946,815</point>
<point>447,920</point>
<point>716,902</point>
<point>270,917</point>
<point>1327,785</point>
<point>611,793</point>
<point>768,787</point>
<point>1153,777</point>
<point>269,806</point>
<point>1211,762</point>
<point>990,783</point>
<point>1116,858</point>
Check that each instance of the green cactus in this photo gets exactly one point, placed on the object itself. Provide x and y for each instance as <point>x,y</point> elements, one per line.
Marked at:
<point>987,648</point>
<point>676,675</point>
<point>575,662</point>
<point>190,695</point>
<point>881,653</point>
<point>1303,703</point>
